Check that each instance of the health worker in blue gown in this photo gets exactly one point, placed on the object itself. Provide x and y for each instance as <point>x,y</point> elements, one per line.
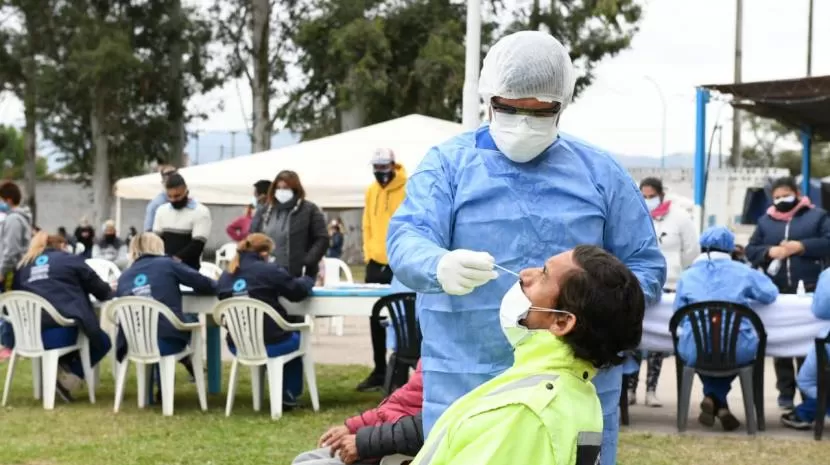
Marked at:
<point>513,193</point>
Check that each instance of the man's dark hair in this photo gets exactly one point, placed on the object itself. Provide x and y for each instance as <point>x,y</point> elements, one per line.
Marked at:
<point>608,303</point>
<point>174,180</point>
<point>10,191</point>
<point>261,187</point>
<point>62,231</point>
<point>653,183</point>
<point>786,181</point>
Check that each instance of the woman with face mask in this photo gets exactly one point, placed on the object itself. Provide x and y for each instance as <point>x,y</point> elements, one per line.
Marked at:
<point>296,226</point>
<point>791,243</point>
<point>678,239</point>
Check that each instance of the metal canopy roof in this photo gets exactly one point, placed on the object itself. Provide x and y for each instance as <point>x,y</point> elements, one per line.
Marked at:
<point>797,103</point>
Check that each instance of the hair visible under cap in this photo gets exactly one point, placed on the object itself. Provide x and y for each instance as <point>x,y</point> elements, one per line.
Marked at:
<point>146,243</point>
<point>654,183</point>
<point>256,242</point>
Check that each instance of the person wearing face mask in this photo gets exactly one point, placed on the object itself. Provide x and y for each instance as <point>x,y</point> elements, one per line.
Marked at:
<point>678,240</point>
<point>791,243</point>
<point>714,276</point>
<point>85,235</point>
<point>110,247</point>
<point>512,192</point>
<point>383,197</point>
<point>183,224</point>
<point>296,226</point>
<point>564,322</point>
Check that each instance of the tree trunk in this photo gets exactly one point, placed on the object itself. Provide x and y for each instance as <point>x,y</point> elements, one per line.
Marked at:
<point>176,103</point>
<point>260,89</point>
<point>30,136</point>
<point>353,118</point>
<point>101,184</point>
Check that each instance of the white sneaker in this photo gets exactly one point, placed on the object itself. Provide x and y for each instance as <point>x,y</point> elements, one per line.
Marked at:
<point>632,397</point>
<point>652,400</point>
<point>69,380</point>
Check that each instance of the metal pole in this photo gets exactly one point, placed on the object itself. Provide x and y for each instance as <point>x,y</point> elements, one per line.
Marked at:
<point>470,118</point>
<point>736,114</point>
<point>701,99</point>
<point>806,152</point>
<point>663,122</point>
<point>810,40</point>
<point>233,144</point>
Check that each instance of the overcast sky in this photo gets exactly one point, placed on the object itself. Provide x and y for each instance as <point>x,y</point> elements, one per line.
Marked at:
<point>681,44</point>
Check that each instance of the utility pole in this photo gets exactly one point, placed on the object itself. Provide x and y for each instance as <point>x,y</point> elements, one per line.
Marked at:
<point>471,108</point>
<point>810,40</point>
<point>233,144</point>
<point>736,114</point>
<point>196,135</point>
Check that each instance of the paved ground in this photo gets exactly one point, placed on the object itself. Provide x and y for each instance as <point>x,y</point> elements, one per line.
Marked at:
<point>354,347</point>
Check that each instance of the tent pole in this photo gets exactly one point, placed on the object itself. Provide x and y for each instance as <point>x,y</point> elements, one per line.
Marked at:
<point>806,154</point>
<point>118,215</point>
<point>701,99</point>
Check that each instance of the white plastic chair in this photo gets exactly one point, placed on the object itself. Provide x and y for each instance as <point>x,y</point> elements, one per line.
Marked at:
<point>24,311</point>
<point>210,270</point>
<point>225,254</point>
<point>244,319</point>
<point>332,278</point>
<point>138,318</point>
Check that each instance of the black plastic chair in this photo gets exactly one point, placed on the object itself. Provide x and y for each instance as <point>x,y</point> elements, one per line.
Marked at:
<point>401,310</point>
<point>716,356</point>
<point>823,385</point>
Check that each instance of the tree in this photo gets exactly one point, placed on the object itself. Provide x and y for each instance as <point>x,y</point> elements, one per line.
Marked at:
<point>254,35</point>
<point>367,61</point>
<point>25,36</point>
<point>775,145</point>
<point>107,92</point>
<point>13,156</point>
<point>590,30</point>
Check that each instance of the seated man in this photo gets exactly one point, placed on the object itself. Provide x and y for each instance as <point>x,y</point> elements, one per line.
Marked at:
<point>714,275</point>
<point>565,321</point>
<point>394,427</point>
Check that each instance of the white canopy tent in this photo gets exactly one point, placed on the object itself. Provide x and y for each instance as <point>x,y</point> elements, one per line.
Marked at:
<point>334,170</point>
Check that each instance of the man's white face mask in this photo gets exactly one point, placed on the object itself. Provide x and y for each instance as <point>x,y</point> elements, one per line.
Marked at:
<point>522,138</point>
<point>514,308</point>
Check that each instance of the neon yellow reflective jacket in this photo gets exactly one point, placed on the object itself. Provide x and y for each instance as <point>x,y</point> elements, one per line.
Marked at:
<point>542,411</point>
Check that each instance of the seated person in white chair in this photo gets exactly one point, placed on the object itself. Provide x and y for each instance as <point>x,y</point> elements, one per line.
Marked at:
<point>66,281</point>
<point>251,275</point>
<point>714,276</point>
<point>159,277</point>
<point>110,247</point>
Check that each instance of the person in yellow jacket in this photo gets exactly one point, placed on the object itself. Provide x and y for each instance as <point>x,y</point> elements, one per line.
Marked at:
<point>565,321</point>
<point>382,199</point>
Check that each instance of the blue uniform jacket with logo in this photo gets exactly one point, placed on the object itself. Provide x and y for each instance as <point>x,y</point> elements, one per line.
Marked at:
<point>66,281</point>
<point>157,277</point>
<point>258,279</point>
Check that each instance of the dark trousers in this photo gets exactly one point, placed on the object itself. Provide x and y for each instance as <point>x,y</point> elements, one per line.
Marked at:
<point>377,273</point>
<point>785,375</point>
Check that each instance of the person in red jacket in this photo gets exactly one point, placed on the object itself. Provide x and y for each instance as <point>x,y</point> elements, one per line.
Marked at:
<point>393,427</point>
<point>239,228</point>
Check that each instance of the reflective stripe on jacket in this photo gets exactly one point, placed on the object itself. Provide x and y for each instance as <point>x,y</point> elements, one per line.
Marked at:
<point>543,410</point>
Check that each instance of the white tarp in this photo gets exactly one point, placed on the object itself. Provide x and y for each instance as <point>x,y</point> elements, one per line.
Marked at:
<point>334,170</point>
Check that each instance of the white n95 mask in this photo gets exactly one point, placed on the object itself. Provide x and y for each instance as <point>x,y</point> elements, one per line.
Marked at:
<point>522,138</point>
<point>514,308</point>
<point>652,203</point>
<point>283,195</point>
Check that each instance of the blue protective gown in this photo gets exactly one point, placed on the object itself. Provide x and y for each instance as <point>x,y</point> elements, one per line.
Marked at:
<point>716,276</point>
<point>807,380</point>
<point>465,194</point>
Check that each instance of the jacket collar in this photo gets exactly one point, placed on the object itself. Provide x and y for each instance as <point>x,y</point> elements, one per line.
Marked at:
<point>543,351</point>
<point>247,257</point>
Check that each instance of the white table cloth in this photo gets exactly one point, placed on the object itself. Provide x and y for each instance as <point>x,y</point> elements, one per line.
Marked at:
<point>789,321</point>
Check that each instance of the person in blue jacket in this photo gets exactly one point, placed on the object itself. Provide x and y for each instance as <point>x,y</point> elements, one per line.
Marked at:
<point>156,276</point>
<point>513,192</point>
<point>66,281</point>
<point>251,275</point>
<point>792,243</point>
<point>715,276</point>
<point>804,414</point>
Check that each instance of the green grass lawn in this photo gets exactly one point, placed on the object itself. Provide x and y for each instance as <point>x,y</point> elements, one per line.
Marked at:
<point>84,434</point>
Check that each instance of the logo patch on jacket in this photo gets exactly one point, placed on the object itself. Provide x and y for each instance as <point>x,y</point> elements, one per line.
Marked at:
<point>240,287</point>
